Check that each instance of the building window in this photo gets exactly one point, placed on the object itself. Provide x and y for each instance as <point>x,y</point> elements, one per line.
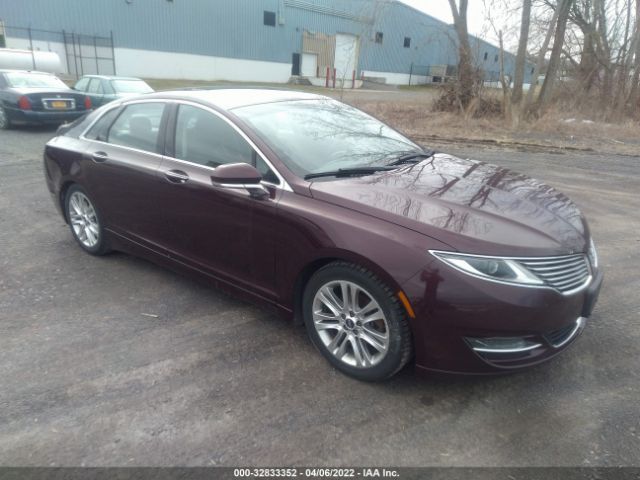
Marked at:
<point>270,18</point>
<point>495,59</point>
<point>378,37</point>
<point>407,42</point>
<point>486,55</point>
<point>532,70</point>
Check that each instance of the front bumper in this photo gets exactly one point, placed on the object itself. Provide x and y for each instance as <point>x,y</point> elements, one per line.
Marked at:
<point>37,117</point>
<point>452,309</point>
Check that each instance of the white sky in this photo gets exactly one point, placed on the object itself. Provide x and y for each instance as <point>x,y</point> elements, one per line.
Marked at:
<point>475,15</point>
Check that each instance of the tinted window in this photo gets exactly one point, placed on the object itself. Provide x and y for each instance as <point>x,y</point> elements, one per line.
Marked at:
<point>82,84</point>
<point>319,135</point>
<point>95,86</point>
<point>206,139</point>
<point>34,80</point>
<point>407,42</point>
<point>101,127</point>
<point>138,126</point>
<point>131,86</point>
<point>269,18</point>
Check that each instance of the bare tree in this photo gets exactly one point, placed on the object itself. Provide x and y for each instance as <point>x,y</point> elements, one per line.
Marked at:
<point>563,7</point>
<point>466,71</point>
<point>521,57</point>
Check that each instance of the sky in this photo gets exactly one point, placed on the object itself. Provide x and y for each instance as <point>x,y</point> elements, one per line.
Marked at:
<point>441,10</point>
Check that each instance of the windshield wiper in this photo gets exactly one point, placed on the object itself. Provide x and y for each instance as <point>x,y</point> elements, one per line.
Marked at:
<point>413,157</point>
<point>348,172</point>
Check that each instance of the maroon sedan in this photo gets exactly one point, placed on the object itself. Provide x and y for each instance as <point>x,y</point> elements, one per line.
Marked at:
<point>385,250</point>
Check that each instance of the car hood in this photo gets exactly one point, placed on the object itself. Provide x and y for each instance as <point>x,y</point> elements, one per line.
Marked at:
<point>471,206</point>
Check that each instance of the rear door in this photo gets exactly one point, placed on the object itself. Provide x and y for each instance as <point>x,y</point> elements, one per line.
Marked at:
<point>95,91</point>
<point>122,158</point>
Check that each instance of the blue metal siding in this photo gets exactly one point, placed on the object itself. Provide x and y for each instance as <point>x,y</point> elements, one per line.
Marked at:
<point>234,28</point>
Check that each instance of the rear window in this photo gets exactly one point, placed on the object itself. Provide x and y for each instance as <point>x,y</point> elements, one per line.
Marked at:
<point>138,127</point>
<point>130,86</point>
<point>33,80</point>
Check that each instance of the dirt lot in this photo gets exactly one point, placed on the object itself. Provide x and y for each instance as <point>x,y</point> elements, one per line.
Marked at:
<point>88,379</point>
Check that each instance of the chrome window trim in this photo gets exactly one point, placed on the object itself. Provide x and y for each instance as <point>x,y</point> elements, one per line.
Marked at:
<point>579,288</point>
<point>283,183</point>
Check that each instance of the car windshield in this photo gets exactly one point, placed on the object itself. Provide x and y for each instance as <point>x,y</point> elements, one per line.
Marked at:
<point>33,80</point>
<point>130,86</point>
<point>313,136</point>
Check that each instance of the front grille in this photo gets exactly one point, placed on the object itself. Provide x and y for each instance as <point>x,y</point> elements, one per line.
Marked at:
<point>564,273</point>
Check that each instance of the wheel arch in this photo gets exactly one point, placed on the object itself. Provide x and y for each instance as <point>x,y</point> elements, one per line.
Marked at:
<point>313,265</point>
<point>62,196</point>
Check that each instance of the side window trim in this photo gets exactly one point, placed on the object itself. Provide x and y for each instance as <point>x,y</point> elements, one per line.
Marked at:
<point>122,106</point>
<point>161,128</point>
<point>171,131</point>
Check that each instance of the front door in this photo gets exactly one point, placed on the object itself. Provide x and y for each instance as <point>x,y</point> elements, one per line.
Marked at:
<point>212,227</point>
<point>295,64</point>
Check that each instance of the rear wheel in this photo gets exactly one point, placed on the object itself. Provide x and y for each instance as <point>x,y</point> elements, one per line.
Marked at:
<point>5,123</point>
<point>356,322</point>
<point>84,221</point>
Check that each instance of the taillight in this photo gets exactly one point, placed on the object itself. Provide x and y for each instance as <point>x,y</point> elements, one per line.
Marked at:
<point>87,103</point>
<point>24,103</point>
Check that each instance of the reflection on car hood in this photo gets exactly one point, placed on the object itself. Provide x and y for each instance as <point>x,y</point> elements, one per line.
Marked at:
<point>472,206</point>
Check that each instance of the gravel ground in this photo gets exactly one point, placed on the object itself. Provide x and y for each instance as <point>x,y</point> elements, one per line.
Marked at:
<point>88,379</point>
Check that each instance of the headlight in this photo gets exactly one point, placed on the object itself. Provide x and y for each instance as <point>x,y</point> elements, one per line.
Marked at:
<point>592,254</point>
<point>497,269</point>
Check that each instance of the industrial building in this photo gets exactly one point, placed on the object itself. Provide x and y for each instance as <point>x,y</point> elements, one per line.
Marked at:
<point>245,40</point>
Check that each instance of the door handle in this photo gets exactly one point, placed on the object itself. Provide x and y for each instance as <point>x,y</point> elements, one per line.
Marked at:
<point>99,157</point>
<point>176,176</point>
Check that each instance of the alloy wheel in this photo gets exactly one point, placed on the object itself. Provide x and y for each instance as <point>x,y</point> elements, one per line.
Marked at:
<point>84,220</point>
<point>351,324</point>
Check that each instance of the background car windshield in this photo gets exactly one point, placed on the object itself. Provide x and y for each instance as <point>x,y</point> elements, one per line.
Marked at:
<point>34,80</point>
<point>313,136</point>
<point>131,86</point>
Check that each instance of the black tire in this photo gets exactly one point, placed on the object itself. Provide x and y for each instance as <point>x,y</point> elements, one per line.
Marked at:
<point>5,123</point>
<point>101,247</point>
<point>399,348</point>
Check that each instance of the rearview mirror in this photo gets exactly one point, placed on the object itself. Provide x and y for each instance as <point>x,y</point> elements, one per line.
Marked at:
<point>240,175</point>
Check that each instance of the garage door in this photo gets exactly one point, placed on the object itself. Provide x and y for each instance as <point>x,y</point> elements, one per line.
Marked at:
<point>346,55</point>
<point>309,64</point>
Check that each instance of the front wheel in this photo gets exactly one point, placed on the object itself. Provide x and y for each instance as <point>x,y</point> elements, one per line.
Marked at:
<point>356,322</point>
<point>84,221</point>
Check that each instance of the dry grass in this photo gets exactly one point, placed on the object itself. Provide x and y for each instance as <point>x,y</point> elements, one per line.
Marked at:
<point>557,128</point>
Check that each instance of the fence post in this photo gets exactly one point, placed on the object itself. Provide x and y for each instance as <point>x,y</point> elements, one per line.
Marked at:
<point>113,52</point>
<point>95,50</point>
<point>326,80</point>
<point>80,53</point>
<point>75,57</point>
<point>334,77</point>
<point>353,80</point>
<point>33,55</point>
<point>410,73</point>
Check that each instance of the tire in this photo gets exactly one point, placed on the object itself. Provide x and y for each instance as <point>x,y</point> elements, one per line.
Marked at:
<point>5,123</point>
<point>84,221</point>
<point>369,337</point>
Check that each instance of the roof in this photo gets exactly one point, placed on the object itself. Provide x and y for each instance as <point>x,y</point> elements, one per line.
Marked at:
<point>112,77</point>
<point>13,70</point>
<point>229,98</point>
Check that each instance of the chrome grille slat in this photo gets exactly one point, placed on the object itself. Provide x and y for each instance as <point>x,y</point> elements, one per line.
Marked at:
<point>565,272</point>
<point>562,273</point>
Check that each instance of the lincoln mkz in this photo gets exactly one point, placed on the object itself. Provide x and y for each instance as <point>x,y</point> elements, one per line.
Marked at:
<point>388,252</point>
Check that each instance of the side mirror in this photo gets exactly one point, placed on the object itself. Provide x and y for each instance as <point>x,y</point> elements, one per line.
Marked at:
<point>240,175</point>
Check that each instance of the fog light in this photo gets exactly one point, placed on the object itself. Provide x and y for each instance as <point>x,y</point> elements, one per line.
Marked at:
<point>501,344</point>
